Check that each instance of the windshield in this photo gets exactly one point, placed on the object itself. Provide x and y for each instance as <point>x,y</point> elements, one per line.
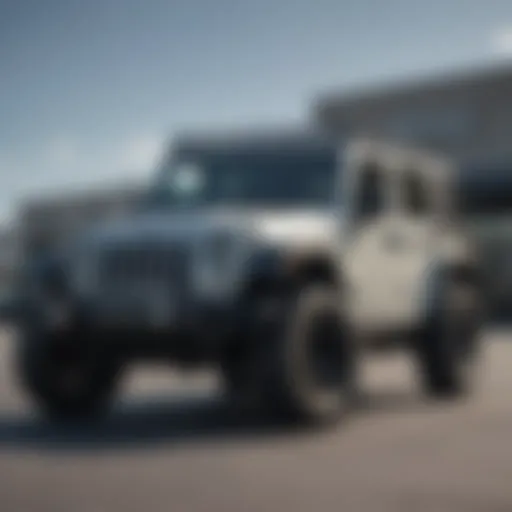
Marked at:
<point>283,180</point>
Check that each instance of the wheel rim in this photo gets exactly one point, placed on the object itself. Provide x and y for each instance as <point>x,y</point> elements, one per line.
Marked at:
<point>325,354</point>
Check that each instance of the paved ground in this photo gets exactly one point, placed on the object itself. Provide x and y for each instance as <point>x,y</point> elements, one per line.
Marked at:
<point>171,447</point>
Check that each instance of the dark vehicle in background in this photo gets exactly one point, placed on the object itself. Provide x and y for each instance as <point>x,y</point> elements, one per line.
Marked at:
<point>486,205</point>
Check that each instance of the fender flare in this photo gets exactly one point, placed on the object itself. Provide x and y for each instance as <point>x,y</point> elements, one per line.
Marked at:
<point>436,274</point>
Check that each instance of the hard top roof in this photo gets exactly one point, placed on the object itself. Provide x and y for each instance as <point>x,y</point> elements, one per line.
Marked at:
<point>256,141</point>
<point>305,141</point>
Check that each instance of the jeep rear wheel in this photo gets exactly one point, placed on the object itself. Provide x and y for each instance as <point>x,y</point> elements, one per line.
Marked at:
<point>448,347</point>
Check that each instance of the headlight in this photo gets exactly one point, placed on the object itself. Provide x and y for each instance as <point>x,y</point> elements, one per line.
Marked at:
<point>217,264</point>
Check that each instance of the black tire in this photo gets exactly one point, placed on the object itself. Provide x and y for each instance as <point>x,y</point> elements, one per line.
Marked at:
<point>449,343</point>
<point>236,380</point>
<point>311,359</point>
<point>66,379</point>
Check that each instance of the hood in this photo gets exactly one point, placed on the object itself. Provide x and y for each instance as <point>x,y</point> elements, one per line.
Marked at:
<point>278,227</point>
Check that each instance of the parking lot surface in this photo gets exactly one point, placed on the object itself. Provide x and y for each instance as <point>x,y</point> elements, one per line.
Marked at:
<point>171,445</point>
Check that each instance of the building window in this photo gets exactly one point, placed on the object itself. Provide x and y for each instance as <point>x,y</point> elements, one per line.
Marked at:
<point>436,126</point>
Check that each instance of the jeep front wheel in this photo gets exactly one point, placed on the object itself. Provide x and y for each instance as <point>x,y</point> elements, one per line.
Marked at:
<point>65,379</point>
<point>312,359</point>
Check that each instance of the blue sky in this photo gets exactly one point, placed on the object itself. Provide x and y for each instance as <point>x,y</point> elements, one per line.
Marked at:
<point>90,89</point>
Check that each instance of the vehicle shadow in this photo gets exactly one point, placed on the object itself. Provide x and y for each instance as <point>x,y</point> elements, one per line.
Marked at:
<point>172,422</point>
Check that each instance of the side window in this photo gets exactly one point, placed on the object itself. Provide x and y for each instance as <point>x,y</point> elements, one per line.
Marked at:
<point>371,197</point>
<point>414,193</point>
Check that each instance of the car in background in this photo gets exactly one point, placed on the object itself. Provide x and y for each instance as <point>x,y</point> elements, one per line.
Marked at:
<point>486,203</point>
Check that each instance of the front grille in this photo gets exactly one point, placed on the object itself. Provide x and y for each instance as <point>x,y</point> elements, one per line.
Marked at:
<point>142,264</point>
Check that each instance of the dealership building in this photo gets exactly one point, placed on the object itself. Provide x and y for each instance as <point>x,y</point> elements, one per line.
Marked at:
<point>467,114</point>
<point>46,221</point>
<point>9,255</point>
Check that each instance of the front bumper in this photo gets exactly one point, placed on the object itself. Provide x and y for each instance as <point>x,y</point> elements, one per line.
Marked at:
<point>192,331</point>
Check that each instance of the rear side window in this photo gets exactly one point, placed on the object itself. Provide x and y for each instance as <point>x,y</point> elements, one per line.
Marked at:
<point>414,194</point>
<point>370,200</point>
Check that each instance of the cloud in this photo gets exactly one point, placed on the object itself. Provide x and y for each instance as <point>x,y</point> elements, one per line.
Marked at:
<point>501,40</point>
<point>65,163</point>
<point>139,153</point>
<point>61,151</point>
<point>132,153</point>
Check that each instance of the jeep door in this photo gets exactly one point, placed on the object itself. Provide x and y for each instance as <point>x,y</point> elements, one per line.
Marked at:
<point>416,236</point>
<point>370,269</point>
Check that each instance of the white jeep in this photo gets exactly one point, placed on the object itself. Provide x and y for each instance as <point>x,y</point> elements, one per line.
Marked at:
<point>275,259</point>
